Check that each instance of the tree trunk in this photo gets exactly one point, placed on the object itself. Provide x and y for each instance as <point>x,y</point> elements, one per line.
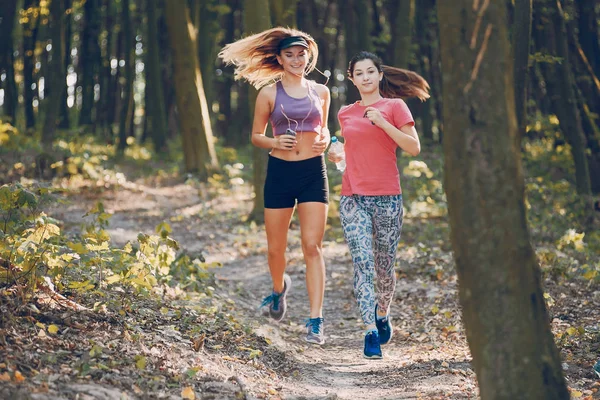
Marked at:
<point>400,21</point>
<point>89,57</point>
<point>208,28</point>
<point>56,72</point>
<point>194,120</point>
<point>283,12</point>
<point>521,37</point>
<point>588,31</point>
<point>7,59</point>
<point>356,23</point>
<point>424,110</point>
<point>561,89</point>
<point>64,122</point>
<point>127,98</point>
<point>156,113</point>
<point>257,19</point>
<point>504,313</point>
<point>225,82</point>
<point>30,29</point>
<point>106,101</point>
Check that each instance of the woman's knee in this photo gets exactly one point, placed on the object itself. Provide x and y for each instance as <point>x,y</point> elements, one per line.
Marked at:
<point>275,252</point>
<point>312,249</point>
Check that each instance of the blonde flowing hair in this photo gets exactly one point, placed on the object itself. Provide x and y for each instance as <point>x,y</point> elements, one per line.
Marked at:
<point>255,56</point>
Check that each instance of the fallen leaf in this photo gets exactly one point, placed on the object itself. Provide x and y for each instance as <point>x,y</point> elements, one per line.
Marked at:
<point>188,393</point>
<point>53,329</point>
<point>5,377</point>
<point>19,377</point>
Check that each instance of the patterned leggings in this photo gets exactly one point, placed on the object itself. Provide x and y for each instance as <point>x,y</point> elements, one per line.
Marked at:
<point>372,227</point>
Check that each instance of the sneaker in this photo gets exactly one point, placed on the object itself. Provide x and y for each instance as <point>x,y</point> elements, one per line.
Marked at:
<point>372,345</point>
<point>384,328</point>
<point>276,301</point>
<point>314,331</point>
<point>597,369</point>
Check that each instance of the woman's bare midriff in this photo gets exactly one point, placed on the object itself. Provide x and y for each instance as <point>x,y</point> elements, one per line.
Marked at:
<point>303,150</point>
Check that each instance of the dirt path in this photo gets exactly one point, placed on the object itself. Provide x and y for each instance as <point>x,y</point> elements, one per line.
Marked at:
<point>427,358</point>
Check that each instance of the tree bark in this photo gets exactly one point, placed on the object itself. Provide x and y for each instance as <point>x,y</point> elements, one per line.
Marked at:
<point>64,122</point>
<point>126,116</point>
<point>257,19</point>
<point>225,82</point>
<point>194,121</point>
<point>283,12</point>
<point>400,21</point>
<point>30,29</point>
<point>561,90</point>
<point>90,57</point>
<point>55,73</point>
<point>521,37</point>
<point>588,31</point>
<point>357,23</point>
<point>7,59</point>
<point>156,113</point>
<point>500,292</point>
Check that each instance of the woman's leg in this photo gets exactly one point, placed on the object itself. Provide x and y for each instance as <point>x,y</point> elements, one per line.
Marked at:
<point>358,232</point>
<point>387,227</point>
<point>277,222</point>
<point>313,217</point>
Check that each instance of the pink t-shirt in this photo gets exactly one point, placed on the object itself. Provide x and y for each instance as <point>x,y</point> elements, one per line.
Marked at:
<point>371,164</point>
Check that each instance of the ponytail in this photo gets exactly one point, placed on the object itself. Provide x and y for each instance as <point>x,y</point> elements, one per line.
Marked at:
<point>396,82</point>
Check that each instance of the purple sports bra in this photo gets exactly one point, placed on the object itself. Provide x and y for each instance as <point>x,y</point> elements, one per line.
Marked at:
<point>300,115</point>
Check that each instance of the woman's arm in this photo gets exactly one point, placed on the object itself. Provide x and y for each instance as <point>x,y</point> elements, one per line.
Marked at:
<point>406,137</point>
<point>322,140</point>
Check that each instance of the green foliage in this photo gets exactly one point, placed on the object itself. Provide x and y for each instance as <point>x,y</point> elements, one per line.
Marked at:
<point>33,249</point>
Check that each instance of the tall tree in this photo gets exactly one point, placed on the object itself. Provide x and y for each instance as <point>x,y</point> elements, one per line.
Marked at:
<point>500,292</point>
<point>357,24</point>
<point>31,23</point>
<point>64,109</point>
<point>283,12</point>
<point>7,59</point>
<point>587,17</point>
<point>194,120</point>
<point>225,82</point>
<point>90,58</point>
<point>156,113</point>
<point>126,116</point>
<point>106,103</point>
<point>256,19</point>
<point>551,39</point>
<point>521,37</point>
<point>206,21</point>
<point>400,22</point>
<point>56,71</point>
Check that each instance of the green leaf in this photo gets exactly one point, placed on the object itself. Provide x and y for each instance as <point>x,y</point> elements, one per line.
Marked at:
<point>140,362</point>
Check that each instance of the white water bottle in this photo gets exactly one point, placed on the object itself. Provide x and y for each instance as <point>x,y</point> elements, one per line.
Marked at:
<point>337,148</point>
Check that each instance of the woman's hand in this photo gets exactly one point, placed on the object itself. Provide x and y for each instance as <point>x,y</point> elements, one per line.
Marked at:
<point>285,142</point>
<point>334,158</point>
<point>320,143</point>
<point>374,115</point>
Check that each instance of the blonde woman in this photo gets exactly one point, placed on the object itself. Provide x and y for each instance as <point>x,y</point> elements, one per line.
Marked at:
<point>277,61</point>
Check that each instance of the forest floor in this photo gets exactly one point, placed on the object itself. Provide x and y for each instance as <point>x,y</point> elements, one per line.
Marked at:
<point>218,345</point>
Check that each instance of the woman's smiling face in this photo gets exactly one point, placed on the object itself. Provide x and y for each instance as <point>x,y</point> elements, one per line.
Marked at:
<point>294,59</point>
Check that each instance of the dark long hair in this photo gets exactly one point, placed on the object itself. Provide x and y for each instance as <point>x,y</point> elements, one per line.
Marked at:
<point>396,82</point>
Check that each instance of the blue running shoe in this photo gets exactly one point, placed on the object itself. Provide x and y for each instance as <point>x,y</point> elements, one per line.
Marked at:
<point>384,328</point>
<point>277,302</point>
<point>597,369</point>
<point>372,345</point>
<point>314,331</point>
